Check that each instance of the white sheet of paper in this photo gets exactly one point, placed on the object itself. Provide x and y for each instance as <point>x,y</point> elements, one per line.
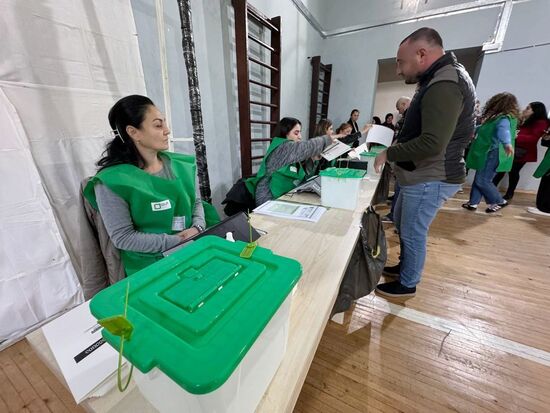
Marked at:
<point>289,210</point>
<point>76,336</point>
<point>335,150</point>
<point>380,134</point>
<point>357,151</point>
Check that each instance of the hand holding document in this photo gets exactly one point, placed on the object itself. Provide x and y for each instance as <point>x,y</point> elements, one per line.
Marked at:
<point>335,150</point>
<point>381,135</point>
<point>354,154</point>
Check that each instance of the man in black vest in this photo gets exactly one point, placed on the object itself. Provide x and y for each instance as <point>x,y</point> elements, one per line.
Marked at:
<point>428,154</point>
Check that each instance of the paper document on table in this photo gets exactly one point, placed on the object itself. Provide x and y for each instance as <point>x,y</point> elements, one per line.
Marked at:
<point>354,154</point>
<point>300,212</point>
<point>335,150</point>
<point>85,359</point>
<point>380,134</point>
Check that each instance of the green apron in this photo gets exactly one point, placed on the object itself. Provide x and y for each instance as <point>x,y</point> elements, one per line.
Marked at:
<point>283,179</point>
<point>544,166</point>
<point>211,216</point>
<point>477,155</point>
<point>157,205</point>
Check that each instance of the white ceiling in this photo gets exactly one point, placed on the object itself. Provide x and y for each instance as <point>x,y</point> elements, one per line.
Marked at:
<point>333,15</point>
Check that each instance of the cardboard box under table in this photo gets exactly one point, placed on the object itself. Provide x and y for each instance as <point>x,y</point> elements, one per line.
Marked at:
<point>210,327</point>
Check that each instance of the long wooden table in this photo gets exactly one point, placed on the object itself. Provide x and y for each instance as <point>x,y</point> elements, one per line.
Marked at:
<point>324,249</point>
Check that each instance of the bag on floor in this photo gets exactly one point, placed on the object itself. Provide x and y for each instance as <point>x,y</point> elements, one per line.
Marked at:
<point>366,263</point>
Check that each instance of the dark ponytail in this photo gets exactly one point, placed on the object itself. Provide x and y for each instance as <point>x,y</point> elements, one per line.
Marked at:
<point>128,111</point>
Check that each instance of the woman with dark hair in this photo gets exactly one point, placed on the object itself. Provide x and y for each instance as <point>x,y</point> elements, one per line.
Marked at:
<point>281,168</point>
<point>353,117</point>
<point>535,121</point>
<point>148,198</point>
<point>376,120</point>
<point>388,121</point>
<point>543,172</point>
<point>493,150</point>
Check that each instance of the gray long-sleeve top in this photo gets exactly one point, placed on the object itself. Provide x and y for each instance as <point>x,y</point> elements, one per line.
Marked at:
<point>288,153</point>
<point>118,222</point>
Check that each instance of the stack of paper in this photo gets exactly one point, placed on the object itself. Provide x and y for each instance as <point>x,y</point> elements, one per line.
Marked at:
<point>289,210</point>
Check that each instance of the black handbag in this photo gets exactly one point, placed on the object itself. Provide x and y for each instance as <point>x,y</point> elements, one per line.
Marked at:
<point>238,199</point>
<point>366,263</point>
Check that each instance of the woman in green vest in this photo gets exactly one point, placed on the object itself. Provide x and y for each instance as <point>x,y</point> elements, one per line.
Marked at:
<point>543,172</point>
<point>492,150</point>
<point>281,169</point>
<point>146,196</point>
<point>344,135</point>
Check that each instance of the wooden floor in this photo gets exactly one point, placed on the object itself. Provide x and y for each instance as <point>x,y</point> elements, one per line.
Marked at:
<point>27,385</point>
<point>488,274</point>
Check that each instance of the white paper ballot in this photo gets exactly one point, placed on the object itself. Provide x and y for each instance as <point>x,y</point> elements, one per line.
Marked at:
<point>84,358</point>
<point>335,150</point>
<point>289,210</point>
<point>355,153</point>
<point>380,134</point>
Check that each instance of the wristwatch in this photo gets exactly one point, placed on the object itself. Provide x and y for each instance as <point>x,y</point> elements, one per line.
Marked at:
<point>199,228</point>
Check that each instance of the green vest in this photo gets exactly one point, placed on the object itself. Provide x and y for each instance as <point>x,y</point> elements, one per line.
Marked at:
<point>282,180</point>
<point>477,155</point>
<point>157,205</point>
<point>544,166</point>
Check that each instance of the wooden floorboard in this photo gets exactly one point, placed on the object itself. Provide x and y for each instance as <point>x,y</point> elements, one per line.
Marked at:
<point>488,273</point>
<point>27,385</point>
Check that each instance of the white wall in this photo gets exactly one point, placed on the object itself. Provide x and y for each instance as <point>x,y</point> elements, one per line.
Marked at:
<point>521,69</point>
<point>387,94</point>
<point>355,56</point>
<point>299,43</point>
<point>214,45</point>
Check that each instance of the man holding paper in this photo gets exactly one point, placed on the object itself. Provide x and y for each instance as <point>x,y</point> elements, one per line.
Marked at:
<point>428,154</point>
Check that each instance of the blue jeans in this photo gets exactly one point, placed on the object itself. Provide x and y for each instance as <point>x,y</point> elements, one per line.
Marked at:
<point>483,182</point>
<point>415,210</point>
<point>396,190</point>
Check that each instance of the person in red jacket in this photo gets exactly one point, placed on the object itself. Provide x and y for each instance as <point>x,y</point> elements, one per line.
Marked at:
<point>535,121</point>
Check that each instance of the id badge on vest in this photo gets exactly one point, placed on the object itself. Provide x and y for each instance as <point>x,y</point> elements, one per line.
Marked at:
<point>178,223</point>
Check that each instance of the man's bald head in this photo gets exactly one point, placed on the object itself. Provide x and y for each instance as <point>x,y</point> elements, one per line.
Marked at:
<point>417,52</point>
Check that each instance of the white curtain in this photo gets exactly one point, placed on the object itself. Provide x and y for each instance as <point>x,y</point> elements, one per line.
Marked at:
<point>63,63</point>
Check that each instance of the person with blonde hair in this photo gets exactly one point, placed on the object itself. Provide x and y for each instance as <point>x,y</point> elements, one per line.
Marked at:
<point>492,150</point>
